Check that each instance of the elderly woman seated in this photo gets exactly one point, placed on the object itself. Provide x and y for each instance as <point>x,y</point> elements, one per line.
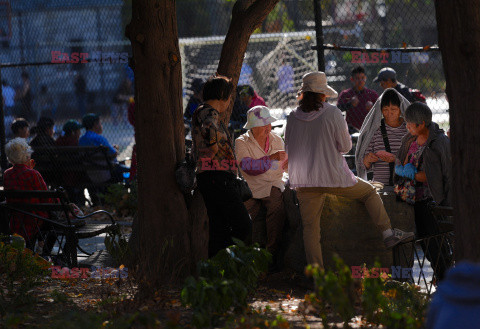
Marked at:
<point>381,136</point>
<point>22,176</point>
<point>263,160</point>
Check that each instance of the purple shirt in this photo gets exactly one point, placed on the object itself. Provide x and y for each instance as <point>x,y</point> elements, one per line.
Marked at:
<point>356,114</point>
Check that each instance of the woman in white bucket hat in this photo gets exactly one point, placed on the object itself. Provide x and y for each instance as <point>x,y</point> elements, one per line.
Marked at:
<point>263,160</point>
<point>316,137</point>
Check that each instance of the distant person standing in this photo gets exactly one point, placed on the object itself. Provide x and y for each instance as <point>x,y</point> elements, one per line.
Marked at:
<point>81,94</point>
<point>245,75</point>
<point>285,77</point>
<point>8,95</point>
<point>387,77</point>
<point>121,101</point>
<point>45,103</point>
<point>358,100</point>
<point>24,98</point>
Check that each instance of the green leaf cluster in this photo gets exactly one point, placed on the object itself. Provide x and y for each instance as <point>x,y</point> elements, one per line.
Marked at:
<point>390,303</point>
<point>116,245</point>
<point>396,305</point>
<point>122,198</point>
<point>335,289</point>
<point>224,282</point>
<point>21,271</point>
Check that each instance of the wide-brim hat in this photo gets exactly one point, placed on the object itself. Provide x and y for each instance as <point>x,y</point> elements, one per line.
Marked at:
<point>259,116</point>
<point>316,82</point>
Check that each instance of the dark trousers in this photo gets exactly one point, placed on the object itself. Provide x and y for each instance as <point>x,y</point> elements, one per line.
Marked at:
<point>437,249</point>
<point>227,214</point>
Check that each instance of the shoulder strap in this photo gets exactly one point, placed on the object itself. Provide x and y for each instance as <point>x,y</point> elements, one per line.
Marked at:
<point>383,128</point>
<point>225,130</point>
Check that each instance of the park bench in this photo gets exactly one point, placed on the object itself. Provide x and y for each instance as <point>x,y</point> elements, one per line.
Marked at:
<point>68,165</point>
<point>66,234</point>
<point>75,167</point>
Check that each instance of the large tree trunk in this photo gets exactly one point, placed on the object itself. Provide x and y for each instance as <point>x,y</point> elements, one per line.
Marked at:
<point>458,24</point>
<point>171,238</point>
<point>247,15</point>
<point>166,250</point>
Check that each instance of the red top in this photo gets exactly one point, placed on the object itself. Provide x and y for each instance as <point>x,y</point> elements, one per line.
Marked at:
<point>21,177</point>
<point>356,115</point>
<point>67,141</point>
<point>257,100</point>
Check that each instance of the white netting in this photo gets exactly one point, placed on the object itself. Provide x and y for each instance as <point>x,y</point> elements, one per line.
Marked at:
<point>274,64</point>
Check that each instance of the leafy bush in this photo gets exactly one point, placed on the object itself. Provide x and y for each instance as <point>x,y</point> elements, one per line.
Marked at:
<point>116,245</point>
<point>224,282</point>
<point>383,301</point>
<point>20,271</point>
<point>335,288</point>
<point>122,198</point>
<point>397,304</point>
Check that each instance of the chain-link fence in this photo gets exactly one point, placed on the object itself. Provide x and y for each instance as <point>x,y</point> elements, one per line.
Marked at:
<point>63,59</point>
<point>374,34</point>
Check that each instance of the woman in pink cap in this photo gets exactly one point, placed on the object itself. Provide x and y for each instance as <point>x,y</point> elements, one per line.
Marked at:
<point>262,158</point>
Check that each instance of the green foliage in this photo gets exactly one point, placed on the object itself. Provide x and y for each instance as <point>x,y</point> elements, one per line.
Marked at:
<point>257,319</point>
<point>20,271</point>
<point>122,198</point>
<point>59,297</point>
<point>116,245</point>
<point>335,288</point>
<point>397,304</point>
<point>383,301</point>
<point>76,319</point>
<point>224,282</point>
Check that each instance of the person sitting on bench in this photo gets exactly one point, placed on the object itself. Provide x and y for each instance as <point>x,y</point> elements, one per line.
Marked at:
<point>22,176</point>
<point>93,137</point>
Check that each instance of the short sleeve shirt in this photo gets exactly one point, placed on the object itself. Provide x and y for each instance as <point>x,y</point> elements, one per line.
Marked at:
<point>208,132</point>
<point>91,138</point>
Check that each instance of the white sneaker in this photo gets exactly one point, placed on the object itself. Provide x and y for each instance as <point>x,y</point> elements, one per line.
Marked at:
<point>396,237</point>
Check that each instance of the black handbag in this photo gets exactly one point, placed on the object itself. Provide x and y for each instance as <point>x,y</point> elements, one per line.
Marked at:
<point>185,174</point>
<point>239,183</point>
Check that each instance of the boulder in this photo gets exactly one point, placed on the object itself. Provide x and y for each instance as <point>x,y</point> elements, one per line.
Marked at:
<point>346,229</point>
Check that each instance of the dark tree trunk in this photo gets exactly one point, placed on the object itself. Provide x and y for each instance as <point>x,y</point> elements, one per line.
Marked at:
<point>171,238</point>
<point>247,15</point>
<point>166,249</point>
<point>458,24</point>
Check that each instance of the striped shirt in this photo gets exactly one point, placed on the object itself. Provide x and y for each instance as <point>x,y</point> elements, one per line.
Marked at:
<point>381,169</point>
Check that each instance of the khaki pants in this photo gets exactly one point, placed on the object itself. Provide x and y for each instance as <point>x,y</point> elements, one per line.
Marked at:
<point>275,218</point>
<point>311,201</point>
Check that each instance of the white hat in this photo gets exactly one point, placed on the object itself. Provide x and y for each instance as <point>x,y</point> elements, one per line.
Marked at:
<point>317,82</point>
<point>259,116</point>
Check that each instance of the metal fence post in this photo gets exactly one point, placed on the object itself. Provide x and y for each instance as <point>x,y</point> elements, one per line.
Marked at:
<point>319,34</point>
